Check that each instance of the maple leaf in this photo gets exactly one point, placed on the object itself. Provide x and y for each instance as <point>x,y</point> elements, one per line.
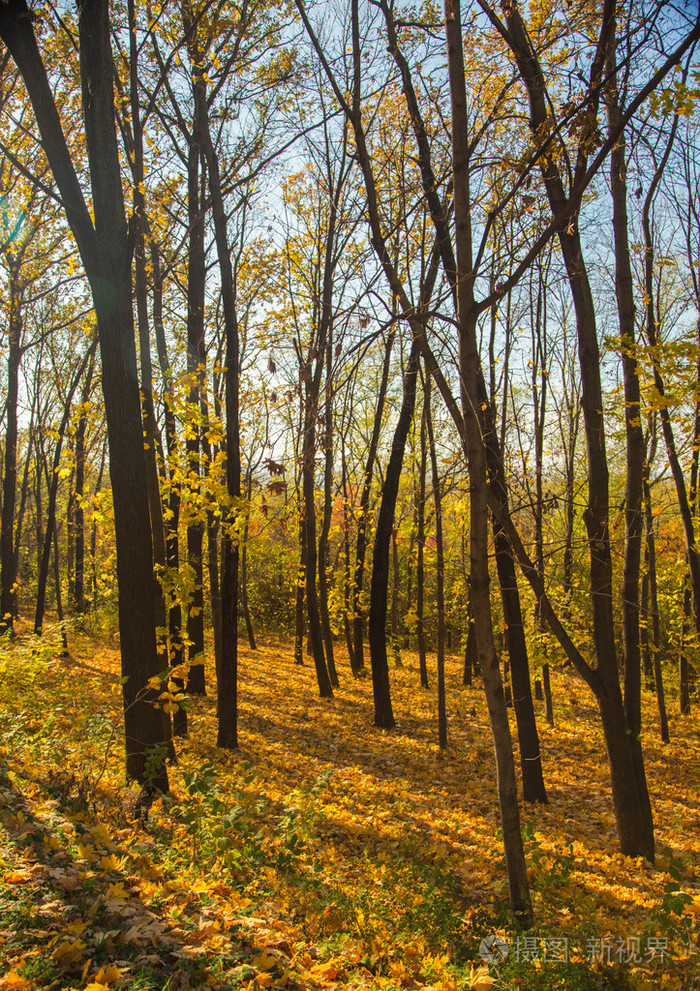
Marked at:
<point>13,982</point>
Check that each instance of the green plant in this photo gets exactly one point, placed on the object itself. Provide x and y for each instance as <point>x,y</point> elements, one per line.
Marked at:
<point>297,822</point>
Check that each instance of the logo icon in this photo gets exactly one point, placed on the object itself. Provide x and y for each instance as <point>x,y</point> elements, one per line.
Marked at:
<point>493,949</point>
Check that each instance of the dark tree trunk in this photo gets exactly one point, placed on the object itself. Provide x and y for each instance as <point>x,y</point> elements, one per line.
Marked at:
<point>471,403</point>
<point>654,610</point>
<point>176,653</point>
<point>59,597</point>
<point>630,794</point>
<point>685,504</point>
<point>395,583</point>
<point>244,573</point>
<point>299,599</point>
<point>383,713</point>
<point>196,358</point>
<point>105,252</point>
<point>363,519</point>
<point>347,607</point>
<point>8,561</point>
<point>420,562</point>
<point>77,517</point>
<point>52,480</point>
<point>440,573</point>
<point>323,539</point>
<point>634,435</point>
<point>308,473</point>
<point>227,735</point>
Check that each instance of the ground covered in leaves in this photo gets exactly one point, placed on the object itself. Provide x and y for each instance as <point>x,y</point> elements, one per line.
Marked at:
<point>325,853</point>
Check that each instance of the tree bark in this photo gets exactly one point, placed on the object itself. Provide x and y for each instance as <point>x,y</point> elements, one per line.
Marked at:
<point>440,572</point>
<point>8,560</point>
<point>420,562</point>
<point>630,792</point>
<point>383,713</point>
<point>363,519</point>
<point>469,366</point>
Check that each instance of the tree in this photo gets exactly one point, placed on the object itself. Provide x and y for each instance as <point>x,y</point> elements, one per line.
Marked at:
<point>105,251</point>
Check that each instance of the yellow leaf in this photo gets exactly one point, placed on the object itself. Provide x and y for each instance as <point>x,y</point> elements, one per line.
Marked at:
<point>87,852</point>
<point>101,835</point>
<point>68,952</point>
<point>116,892</point>
<point>481,980</point>
<point>13,982</point>
<point>328,971</point>
<point>108,975</point>
<point>266,961</point>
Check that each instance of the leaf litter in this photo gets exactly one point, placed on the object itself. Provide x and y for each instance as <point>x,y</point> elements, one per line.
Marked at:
<point>324,853</point>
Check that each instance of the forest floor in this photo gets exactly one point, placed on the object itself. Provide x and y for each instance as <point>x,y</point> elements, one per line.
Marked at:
<point>326,853</point>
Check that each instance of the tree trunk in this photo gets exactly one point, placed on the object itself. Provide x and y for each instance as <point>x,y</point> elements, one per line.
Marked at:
<point>383,713</point>
<point>395,584</point>
<point>227,735</point>
<point>299,598</point>
<point>196,358</point>
<point>363,519</point>
<point>478,514</point>
<point>347,607</point>
<point>244,573</point>
<point>654,610</point>
<point>52,480</point>
<point>323,538</point>
<point>440,572</point>
<point>630,793</point>
<point>176,651</point>
<point>420,562</point>
<point>105,251</point>
<point>634,435</point>
<point>77,517</point>
<point>8,562</point>
<point>308,473</point>
<point>59,597</point>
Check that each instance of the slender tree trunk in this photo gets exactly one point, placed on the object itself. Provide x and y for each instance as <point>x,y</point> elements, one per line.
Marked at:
<point>299,599</point>
<point>347,606</point>
<point>196,358</point>
<point>52,480</point>
<point>323,539</point>
<point>383,713</point>
<point>654,610</point>
<point>395,588</point>
<point>420,562</point>
<point>176,651</point>
<point>363,519</point>
<point>478,514</point>
<point>227,735</point>
<point>308,472</point>
<point>630,792</point>
<point>244,572</point>
<point>652,323</point>
<point>77,517</point>
<point>59,597</point>
<point>8,569</point>
<point>634,435</point>
<point>440,571</point>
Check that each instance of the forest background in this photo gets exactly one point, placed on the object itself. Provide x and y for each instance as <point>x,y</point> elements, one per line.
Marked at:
<point>395,317</point>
